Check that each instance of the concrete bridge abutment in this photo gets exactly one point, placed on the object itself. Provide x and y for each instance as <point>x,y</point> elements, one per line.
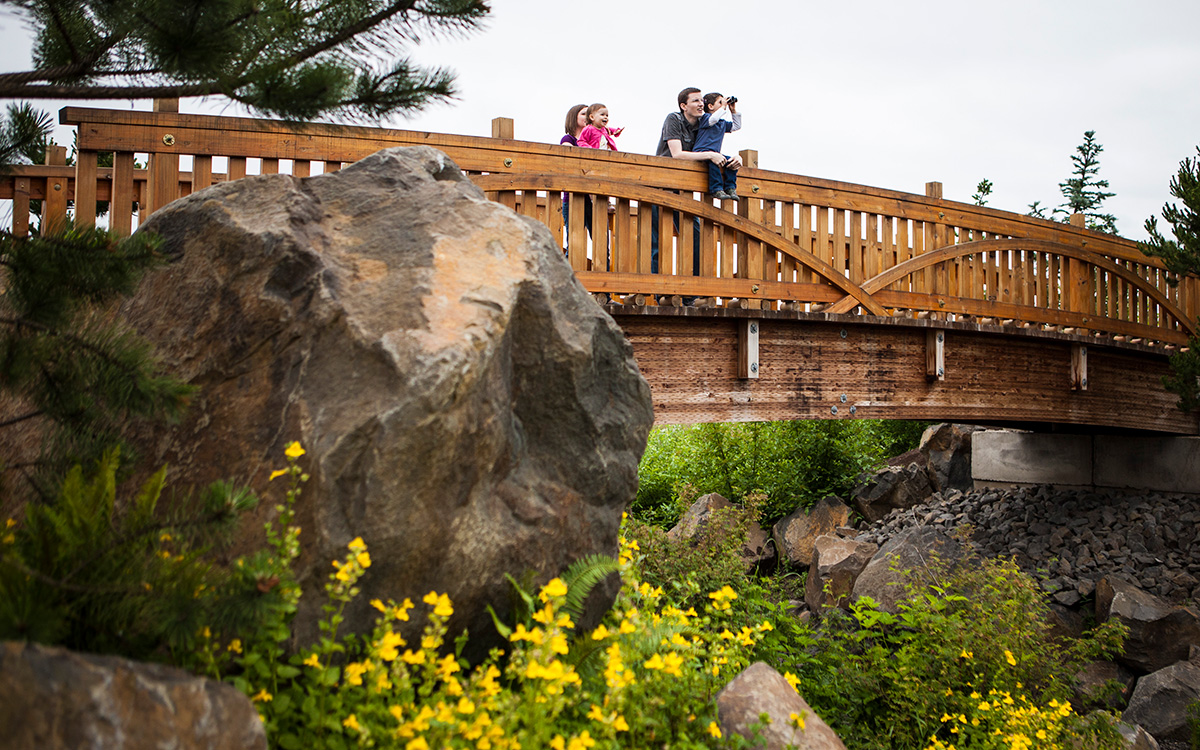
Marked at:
<point>1102,462</point>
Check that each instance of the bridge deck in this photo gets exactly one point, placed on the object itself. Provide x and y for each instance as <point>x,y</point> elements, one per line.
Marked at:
<point>1039,322</point>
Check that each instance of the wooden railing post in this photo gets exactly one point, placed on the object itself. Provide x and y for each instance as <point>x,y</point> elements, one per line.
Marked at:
<point>85,189</point>
<point>935,237</point>
<point>502,127</point>
<point>163,173</point>
<point>54,208</point>
<point>1079,292</point>
<point>750,251</point>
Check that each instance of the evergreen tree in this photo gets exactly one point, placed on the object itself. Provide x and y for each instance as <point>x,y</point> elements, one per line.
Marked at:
<point>982,191</point>
<point>1083,192</point>
<point>278,57</point>
<point>1181,256</point>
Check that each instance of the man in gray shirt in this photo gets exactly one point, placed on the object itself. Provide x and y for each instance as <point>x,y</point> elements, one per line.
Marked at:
<point>678,135</point>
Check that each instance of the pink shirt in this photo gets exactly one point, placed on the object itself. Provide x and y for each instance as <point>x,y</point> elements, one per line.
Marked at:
<point>594,137</point>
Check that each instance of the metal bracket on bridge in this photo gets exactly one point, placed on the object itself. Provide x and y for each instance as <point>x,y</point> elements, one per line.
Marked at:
<point>1079,376</point>
<point>748,349</point>
<point>935,354</point>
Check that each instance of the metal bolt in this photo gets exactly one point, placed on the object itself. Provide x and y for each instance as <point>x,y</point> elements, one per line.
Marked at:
<point>168,140</point>
<point>58,186</point>
<point>754,189</point>
<point>843,398</point>
<point>833,410</point>
<point>753,367</point>
<point>941,372</point>
<point>844,334</point>
<point>754,289</point>
<point>754,328</point>
<point>941,214</point>
<point>508,162</point>
<point>941,337</point>
<point>853,409</point>
<point>1085,382</point>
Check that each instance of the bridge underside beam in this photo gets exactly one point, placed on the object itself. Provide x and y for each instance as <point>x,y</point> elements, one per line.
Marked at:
<point>819,366</point>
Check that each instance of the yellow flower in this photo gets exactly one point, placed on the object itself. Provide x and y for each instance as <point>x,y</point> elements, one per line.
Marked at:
<point>714,730</point>
<point>582,742</point>
<point>654,662</point>
<point>379,606</point>
<point>351,723</point>
<point>9,523</point>
<point>465,706</point>
<point>261,695</point>
<point>626,627</point>
<point>355,670</point>
<point>966,654</point>
<point>595,714</point>
<point>554,588</point>
<point>1009,657</point>
<point>364,559</point>
<point>558,644</point>
<point>388,646</point>
<point>294,450</point>
<point>410,658</point>
<point>620,724</point>
<point>313,661</point>
<point>235,646</point>
<point>600,633</point>
<point>558,743</point>
<point>792,680</point>
<point>402,610</point>
<point>441,604</point>
<point>276,474</point>
<point>797,720</point>
<point>417,744</point>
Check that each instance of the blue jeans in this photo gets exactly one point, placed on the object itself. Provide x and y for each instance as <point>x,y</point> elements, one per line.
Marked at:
<point>654,240</point>
<point>721,178</point>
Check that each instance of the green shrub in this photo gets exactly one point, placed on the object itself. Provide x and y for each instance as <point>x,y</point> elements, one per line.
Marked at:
<point>966,655</point>
<point>92,572</point>
<point>794,463</point>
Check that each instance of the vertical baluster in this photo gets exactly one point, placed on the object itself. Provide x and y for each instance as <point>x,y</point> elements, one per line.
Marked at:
<point>600,258</point>
<point>903,253</point>
<point>644,218</point>
<point>85,189</point>
<point>122,206</point>
<point>164,166</point>
<point>301,168</point>
<point>237,167</point>
<point>269,166</point>
<point>54,206</point>
<point>686,263</point>
<point>201,173</point>
<point>577,231</point>
<point>20,207</point>
<point>624,258</point>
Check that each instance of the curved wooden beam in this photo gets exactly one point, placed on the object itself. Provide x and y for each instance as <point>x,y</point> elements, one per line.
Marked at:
<point>673,201</point>
<point>950,252</point>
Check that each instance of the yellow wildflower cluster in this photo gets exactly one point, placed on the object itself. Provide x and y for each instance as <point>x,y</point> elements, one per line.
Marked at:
<point>1003,721</point>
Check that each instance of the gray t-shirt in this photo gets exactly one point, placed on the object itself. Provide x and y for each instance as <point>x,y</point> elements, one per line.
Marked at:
<point>676,127</point>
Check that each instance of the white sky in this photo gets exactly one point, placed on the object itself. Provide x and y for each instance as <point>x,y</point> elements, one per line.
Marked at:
<point>886,94</point>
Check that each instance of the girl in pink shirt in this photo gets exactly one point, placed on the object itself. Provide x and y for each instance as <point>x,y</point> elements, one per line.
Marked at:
<point>597,134</point>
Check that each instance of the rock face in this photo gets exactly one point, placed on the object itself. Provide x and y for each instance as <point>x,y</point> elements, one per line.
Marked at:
<point>912,550</point>
<point>467,408</point>
<point>947,451</point>
<point>796,534</point>
<point>1160,701</point>
<point>1159,634</point>
<point>52,699</point>
<point>697,517</point>
<point>760,689</point>
<point>837,563</point>
<point>890,489</point>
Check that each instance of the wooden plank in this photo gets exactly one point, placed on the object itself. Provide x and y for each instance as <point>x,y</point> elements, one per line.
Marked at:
<point>237,167</point>
<point>577,231</point>
<point>854,247</point>
<point>841,260</point>
<point>601,261</point>
<point>202,176</point>
<point>644,218</point>
<point>20,207</point>
<point>686,263</point>
<point>164,181</point>
<point>85,189</point>
<point>269,166</point>
<point>123,205</point>
<point>301,167</point>
<point>624,255</point>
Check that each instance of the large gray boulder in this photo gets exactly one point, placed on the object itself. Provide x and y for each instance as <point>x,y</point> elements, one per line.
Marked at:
<point>757,550</point>
<point>910,552</point>
<point>892,488</point>
<point>795,535</point>
<point>1160,633</point>
<point>761,690</point>
<point>697,518</point>
<point>467,408</point>
<point>1160,701</point>
<point>837,563</point>
<point>947,451</point>
<point>54,699</point>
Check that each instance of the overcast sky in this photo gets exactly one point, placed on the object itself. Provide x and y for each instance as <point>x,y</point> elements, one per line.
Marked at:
<point>886,94</point>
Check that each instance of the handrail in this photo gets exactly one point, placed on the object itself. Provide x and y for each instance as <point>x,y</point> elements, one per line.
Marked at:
<point>793,242</point>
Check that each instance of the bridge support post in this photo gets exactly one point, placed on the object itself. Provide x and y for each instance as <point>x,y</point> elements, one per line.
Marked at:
<point>748,365</point>
<point>1079,373</point>
<point>935,355</point>
<point>163,178</point>
<point>502,127</point>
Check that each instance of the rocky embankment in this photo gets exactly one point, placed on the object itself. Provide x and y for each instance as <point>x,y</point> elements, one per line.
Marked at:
<point>1070,540</point>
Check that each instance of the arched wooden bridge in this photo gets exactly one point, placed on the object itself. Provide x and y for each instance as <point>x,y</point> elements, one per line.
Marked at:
<point>809,298</point>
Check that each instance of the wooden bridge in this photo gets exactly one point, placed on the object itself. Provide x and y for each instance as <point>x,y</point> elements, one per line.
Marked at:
<point>809,298</point>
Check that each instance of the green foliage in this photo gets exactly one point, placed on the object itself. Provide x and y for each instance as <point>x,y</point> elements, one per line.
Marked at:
<point>966,641</point>
<point>296,60</point>
<point>1181,254</point>
<point>1193,721</point>
<point>1083,192</point>
<point>23,134</point>
<point>100,574</point>
<point>794,463</point>
<point>982,191</point>
<point>1184,380</point>
<point>68,364</point>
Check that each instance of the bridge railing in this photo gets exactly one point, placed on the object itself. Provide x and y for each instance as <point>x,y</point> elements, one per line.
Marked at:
<point>791,243</point>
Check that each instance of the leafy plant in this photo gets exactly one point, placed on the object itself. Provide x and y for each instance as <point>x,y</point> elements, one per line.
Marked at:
<point>94,573</point>
<point>965,641</point>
